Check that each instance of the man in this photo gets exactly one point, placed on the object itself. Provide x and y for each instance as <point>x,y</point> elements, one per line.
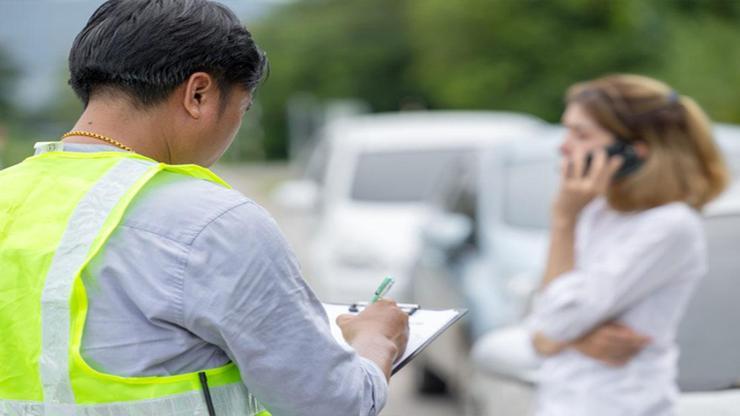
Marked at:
<point>133,280</point>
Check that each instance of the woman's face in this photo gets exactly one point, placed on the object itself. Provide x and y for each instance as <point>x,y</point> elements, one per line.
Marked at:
<point>583,134</point>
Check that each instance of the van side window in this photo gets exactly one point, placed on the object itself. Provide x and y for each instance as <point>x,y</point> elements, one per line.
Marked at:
<point>405,176</point>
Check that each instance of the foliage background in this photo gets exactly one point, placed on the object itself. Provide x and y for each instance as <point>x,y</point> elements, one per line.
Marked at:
<point>517,55</point>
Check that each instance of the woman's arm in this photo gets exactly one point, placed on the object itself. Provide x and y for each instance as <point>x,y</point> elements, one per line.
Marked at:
<point>665,248</point>
<point>546,346</point>
<point>577,189</point>
<point>612,343</point>
<point>561,255</point>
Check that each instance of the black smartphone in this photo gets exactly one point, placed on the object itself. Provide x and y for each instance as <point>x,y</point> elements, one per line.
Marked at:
<point>631,161</point>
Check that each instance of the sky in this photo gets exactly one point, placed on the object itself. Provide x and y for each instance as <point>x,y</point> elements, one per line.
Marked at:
<point>39,33</point>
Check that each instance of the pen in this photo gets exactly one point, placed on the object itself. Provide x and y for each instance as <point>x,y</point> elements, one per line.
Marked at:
<point>384,287</point>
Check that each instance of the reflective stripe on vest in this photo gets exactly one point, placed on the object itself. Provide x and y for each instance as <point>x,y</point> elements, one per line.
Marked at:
<point>232,399</point>
<point>43,260</point>
<point>83,227</point>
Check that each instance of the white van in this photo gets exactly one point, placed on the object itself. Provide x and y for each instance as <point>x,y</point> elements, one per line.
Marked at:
<point>372,176</point>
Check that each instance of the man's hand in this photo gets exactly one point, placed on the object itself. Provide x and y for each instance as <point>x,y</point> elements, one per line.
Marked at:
<point>378,333</point>
<point>612,343</point>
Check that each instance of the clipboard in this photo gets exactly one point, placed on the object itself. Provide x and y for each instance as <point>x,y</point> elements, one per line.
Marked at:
<point>409,308</point>
<point>425,325</point>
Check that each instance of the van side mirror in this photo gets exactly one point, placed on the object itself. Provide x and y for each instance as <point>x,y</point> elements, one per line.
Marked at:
<point>447,231</point>
<point>297,195</point>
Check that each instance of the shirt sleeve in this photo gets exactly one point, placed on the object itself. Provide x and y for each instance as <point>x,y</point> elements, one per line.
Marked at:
<point>602,289</point>
<point>243,292</point>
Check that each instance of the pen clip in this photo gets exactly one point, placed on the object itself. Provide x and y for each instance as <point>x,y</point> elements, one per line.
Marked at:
<point>409,308</point>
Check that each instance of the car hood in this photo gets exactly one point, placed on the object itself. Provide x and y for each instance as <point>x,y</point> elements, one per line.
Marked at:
<point>390,231</point>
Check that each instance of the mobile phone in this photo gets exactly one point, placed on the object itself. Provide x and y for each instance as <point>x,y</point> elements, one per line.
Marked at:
<point>630,160</point>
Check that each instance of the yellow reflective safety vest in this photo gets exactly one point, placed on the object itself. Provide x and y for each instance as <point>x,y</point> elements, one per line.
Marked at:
<point>57,209</point>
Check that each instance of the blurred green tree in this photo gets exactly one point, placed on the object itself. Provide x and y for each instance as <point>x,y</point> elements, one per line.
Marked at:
<point>702,58</point>
<point>515,55</point>
<point>333,49</point>
<point>521,54</point>
<point>8,76</point>
<point>65,108</point>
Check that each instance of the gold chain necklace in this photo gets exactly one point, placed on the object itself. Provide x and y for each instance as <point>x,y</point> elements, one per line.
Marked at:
<point>99,137</point>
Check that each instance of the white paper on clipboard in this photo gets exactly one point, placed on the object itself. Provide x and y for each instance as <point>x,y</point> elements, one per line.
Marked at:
<point>424,326</point>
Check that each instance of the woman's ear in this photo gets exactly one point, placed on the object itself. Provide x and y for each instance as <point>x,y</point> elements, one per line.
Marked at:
<point>642,149</point>
<point>200,92</point>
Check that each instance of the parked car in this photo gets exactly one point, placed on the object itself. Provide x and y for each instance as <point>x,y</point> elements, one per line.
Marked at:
<point>369,181</point>
<point>728,137</point>
<point>484,247</point>
<point>485,244</point>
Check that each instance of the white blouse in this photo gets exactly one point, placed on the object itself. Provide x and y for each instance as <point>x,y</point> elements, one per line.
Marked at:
<point>639,269</point>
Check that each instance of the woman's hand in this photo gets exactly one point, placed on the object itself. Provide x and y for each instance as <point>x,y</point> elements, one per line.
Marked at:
<point>612,343</point>
<point>578,187</point>
<point>545,346</point>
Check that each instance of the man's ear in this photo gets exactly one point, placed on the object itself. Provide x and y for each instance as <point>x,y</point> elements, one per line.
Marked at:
<point>200,91</point>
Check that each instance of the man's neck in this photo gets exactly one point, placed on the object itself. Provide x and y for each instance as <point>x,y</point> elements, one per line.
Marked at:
<point>140,130</point>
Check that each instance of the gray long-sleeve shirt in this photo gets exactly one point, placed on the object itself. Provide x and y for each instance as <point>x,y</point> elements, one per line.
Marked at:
<point>197,275</point>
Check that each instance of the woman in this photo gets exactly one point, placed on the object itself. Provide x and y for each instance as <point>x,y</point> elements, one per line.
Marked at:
<point>627,247</point>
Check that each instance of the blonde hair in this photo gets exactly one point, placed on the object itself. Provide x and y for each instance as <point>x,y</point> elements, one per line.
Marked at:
<point>684,162</point>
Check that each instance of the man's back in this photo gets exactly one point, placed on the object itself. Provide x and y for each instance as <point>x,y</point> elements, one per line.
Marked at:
<point>195,275</point>
<point>198,275</point>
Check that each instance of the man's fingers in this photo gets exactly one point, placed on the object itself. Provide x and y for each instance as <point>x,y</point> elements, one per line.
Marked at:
<point>387,301</point>
<point>382,303</point>
<point>344,318</point>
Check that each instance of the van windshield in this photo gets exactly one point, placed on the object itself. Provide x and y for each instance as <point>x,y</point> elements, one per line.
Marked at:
<point>529,189</point>
<point>407,176</point>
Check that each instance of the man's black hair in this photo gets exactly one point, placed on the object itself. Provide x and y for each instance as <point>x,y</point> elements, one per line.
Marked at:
<point>147,48</point>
